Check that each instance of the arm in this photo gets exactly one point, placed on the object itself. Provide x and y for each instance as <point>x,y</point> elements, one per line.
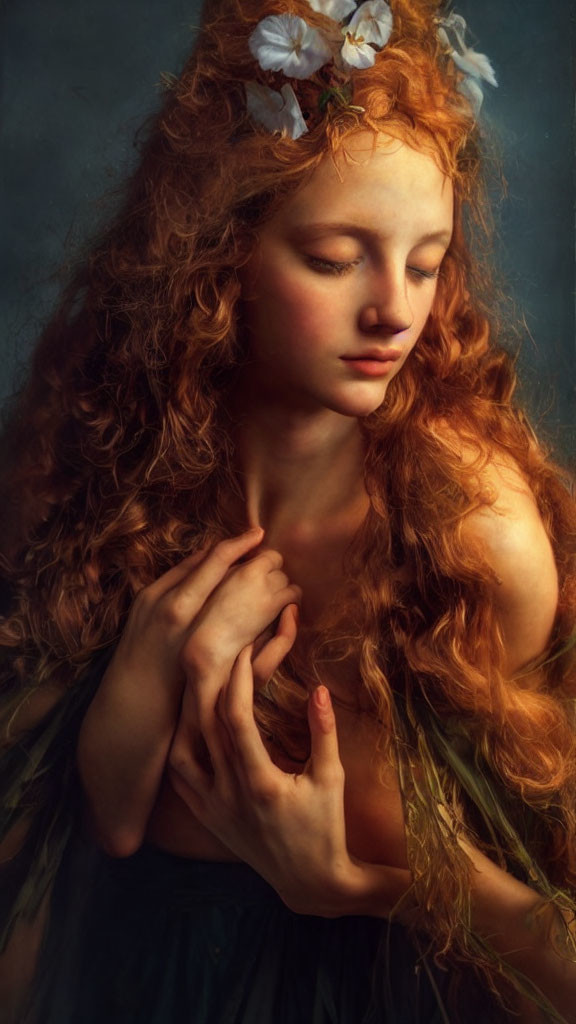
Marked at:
<point>525,599</point>
<point>127,731</point>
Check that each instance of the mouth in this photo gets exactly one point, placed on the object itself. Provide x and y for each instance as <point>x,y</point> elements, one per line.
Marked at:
<point>373,362</point>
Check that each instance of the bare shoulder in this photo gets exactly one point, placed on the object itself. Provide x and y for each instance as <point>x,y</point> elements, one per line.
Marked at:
<point>512,537</point>
<point>510,527</point>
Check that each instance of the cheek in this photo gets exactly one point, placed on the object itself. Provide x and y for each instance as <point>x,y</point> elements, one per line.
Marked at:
<point>422,307</point>
<point>290,309</point>
<point>425,304</point>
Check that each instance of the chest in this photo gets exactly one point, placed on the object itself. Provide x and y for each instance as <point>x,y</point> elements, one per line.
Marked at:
<point>372,806</point>
<point>372,798</point>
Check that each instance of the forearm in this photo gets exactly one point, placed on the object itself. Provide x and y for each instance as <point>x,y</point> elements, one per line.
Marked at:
<point>122,751</point>
<point>526,933</point>
<point>504,913</point>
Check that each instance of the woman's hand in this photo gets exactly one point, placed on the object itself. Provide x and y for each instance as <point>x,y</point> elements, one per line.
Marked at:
<point>163,614</point>
<point>129,726</point>
<point>290,828</point>
<point>247,601</point>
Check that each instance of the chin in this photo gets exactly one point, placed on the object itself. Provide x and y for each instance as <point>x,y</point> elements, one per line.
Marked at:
<point>359,406</point>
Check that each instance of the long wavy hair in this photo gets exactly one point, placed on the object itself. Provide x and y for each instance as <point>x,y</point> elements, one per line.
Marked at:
<point>118,458</point>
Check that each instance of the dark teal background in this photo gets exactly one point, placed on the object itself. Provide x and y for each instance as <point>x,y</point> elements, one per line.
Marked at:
<point>78,77</point>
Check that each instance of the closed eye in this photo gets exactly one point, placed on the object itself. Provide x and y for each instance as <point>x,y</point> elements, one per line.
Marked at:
<point>429,275</point>
<point>338,267</point>
<point>331,266</point>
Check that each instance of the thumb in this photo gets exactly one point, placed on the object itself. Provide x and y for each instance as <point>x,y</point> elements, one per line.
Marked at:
<point>324,764</point>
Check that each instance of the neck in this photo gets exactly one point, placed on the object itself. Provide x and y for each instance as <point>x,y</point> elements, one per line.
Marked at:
<point>298,471</point>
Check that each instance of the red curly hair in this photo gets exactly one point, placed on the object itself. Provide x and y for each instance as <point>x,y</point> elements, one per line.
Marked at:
<point>120,456</point>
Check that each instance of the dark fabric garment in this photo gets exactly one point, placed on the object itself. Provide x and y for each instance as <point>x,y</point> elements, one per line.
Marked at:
<point>158,939</point>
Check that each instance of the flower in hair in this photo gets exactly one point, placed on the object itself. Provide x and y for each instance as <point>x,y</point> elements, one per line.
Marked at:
<point>338,10</point>
<point>369,27</point>
<point>476,66</point>
<point>276,111</point>
<point>285,42</point>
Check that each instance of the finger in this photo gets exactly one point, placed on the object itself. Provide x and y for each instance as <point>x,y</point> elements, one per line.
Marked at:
<point>230,549</point>
<point>275,650</point>
<point>277,580</point>
<point>225,737</point>
<point>219,561</point>
<point>200,721</point>
<point>176,573</point>
<point>280,586</point>
<point>291,595</point>
<point>217,740</point>
<point>250,753</point>
<point>324,764</point>
<point>267,559</point>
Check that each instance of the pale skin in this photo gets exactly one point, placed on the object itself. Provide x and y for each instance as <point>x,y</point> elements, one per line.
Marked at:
<point>350,262</point>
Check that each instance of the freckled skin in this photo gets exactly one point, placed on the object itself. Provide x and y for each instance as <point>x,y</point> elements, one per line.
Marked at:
<point>366,277</point>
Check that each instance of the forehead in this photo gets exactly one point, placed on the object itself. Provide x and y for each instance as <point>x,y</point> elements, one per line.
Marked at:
<point>379,183</point>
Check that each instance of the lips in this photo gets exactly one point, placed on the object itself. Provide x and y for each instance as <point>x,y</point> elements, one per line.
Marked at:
<point>372,362</point>
<point>376,355</point>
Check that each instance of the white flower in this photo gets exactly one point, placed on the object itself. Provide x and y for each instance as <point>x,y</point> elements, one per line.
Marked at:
<point>357,54</point>
<point>372,21</point>
<point>452,33</point>
<point>371,26</point>
<point>284,42</point>
<point>336,9</point>
<point>276,111</point>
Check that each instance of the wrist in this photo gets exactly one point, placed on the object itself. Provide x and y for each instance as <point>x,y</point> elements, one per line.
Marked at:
<point>375,890</point>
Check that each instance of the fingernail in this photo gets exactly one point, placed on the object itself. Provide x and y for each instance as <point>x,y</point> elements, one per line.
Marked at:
<point>322,695</point>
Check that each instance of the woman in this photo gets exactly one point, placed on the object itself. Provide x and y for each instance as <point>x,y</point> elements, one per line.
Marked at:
<point>285,330</point>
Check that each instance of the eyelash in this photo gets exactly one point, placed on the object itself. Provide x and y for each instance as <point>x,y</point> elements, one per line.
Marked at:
<point>333,267</point>
<point>429,275</point>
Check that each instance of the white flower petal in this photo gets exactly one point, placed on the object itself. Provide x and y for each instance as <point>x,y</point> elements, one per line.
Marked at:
<point>292,113</point>
<point>372,22</point>
<point>284,42</point>
<point>357,55</point>
<point>263,104</point>
<point>470,88</point>
<point>475,64</point>
<point>276,111</point>
<point>336,9</point>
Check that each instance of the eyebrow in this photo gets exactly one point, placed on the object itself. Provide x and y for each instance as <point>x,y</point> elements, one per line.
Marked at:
<point>348,228</point>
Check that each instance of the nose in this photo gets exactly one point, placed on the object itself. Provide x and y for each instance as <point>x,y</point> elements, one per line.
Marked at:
<point>387,309</point>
